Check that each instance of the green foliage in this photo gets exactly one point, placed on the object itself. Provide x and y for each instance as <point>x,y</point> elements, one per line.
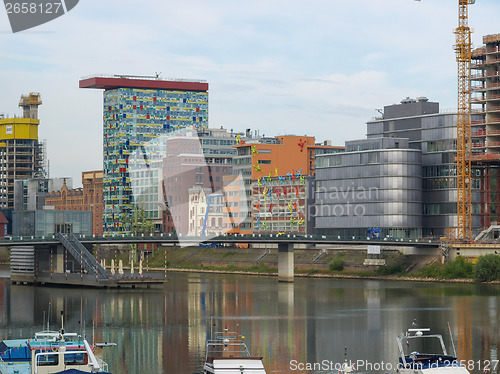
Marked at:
<point>434,270</point>
<point>487,268</point>
<point>460,268</point>
<point>227,254</point>
<point>337,264</point>
<point>390,269</point>
<point>138,222</point>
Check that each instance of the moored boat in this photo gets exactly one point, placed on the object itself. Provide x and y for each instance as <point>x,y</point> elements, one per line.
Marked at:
<point>50,352</point>
<point>227,352</point>
<point>422,353</point>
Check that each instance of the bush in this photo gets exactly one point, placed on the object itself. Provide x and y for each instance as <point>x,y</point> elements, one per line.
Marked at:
<point>433,270</point>
<point>337,264</point>
<point>459,268</point>
<point>487,268</point>
<point>390,270</point>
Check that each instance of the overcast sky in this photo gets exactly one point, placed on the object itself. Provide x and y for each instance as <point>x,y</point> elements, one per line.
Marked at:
<point>316,67</point>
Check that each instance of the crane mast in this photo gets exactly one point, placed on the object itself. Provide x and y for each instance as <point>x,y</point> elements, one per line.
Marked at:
<point>463,50</point>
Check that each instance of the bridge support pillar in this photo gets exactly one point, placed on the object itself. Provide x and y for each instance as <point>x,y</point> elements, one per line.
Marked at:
<point>285,262</point>
<point>59,259</point>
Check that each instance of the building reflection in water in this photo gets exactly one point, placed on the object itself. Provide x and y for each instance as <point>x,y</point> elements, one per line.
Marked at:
<point>164,330</point>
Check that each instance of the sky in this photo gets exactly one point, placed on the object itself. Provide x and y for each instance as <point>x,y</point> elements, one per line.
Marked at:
<point>317,67</point>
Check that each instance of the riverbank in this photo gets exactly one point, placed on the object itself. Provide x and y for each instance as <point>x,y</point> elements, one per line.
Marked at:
<point>334,262</point>
<point>338,263</point>
<point>332,275</point>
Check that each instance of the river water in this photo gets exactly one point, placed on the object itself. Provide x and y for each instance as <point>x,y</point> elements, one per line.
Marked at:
<point>164,329</point>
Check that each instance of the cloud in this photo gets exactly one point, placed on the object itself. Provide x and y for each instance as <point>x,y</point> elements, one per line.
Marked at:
<point>275,66</point>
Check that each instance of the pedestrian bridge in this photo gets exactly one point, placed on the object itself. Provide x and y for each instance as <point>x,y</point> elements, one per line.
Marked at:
<point>26,252</point>
<point>222,239</point>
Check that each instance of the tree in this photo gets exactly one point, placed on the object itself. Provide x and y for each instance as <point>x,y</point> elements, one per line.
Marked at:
<point>487,268</point>
<point>138,223</point>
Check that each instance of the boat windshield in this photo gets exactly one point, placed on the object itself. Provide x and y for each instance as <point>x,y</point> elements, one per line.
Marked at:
<point>226,344</point>
<point>426,344</point>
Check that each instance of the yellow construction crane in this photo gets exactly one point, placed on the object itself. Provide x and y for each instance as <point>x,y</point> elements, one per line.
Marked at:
<point>463,49</point>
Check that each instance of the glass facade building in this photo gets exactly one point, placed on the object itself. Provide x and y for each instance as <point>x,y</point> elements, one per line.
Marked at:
<point>136,111</point>
<point>434,133</point>
<point>48,222</point>
<point>374,187</point>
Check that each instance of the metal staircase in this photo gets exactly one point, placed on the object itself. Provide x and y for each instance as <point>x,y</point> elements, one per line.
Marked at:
<point>82,255</point>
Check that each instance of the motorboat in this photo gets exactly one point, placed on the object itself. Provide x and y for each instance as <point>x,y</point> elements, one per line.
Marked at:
<point>50,352</point>
<point>227,353</point>
<point>425,353</point>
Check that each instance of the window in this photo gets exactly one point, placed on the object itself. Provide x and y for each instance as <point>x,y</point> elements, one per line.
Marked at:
<point>75,359</point>
<point>48,360</point>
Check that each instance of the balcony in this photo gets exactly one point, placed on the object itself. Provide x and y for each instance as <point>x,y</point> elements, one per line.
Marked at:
<point>477,65</point>
<point>493,144</point>
<point>493,133</point>
<point>493,121</point>
<point>492,62</point>
<point>477,77</point>
<point>481,87</point>
<point>486,157</point>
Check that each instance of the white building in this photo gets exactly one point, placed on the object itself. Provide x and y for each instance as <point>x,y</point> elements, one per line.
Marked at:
<point>205,212</point>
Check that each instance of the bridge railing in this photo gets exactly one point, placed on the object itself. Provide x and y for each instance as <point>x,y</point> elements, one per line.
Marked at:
<point>226,237</point>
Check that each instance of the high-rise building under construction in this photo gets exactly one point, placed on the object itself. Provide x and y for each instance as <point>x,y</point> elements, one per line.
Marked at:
<point>22,156</point>
<point>137,110</point>
<point>486,128</point>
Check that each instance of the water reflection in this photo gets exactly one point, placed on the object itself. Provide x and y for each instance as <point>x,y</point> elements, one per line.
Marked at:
<point>163,330</point>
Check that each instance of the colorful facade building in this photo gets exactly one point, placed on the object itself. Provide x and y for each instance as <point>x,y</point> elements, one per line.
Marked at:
<point>281,156</point>
<point>21,154</point>
<point>147,184</point>
<point>280,204</point>
<point>87,198</point>
<point>137,110</point>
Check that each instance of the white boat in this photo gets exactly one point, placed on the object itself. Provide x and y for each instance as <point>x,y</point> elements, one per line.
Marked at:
<point>227,353</point>
<point>50,352</point>
<point>422,353</point>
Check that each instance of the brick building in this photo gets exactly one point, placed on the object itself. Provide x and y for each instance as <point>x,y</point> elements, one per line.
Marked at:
<point>88,197</point>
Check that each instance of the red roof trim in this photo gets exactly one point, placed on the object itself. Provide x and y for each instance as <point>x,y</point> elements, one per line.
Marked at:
<point>110,83</point>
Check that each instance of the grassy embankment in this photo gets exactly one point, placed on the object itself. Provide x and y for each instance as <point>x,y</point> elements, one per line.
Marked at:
<point>338,264</point>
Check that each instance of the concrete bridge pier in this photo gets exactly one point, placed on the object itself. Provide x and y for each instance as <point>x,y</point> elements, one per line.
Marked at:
<point>285,262</point>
